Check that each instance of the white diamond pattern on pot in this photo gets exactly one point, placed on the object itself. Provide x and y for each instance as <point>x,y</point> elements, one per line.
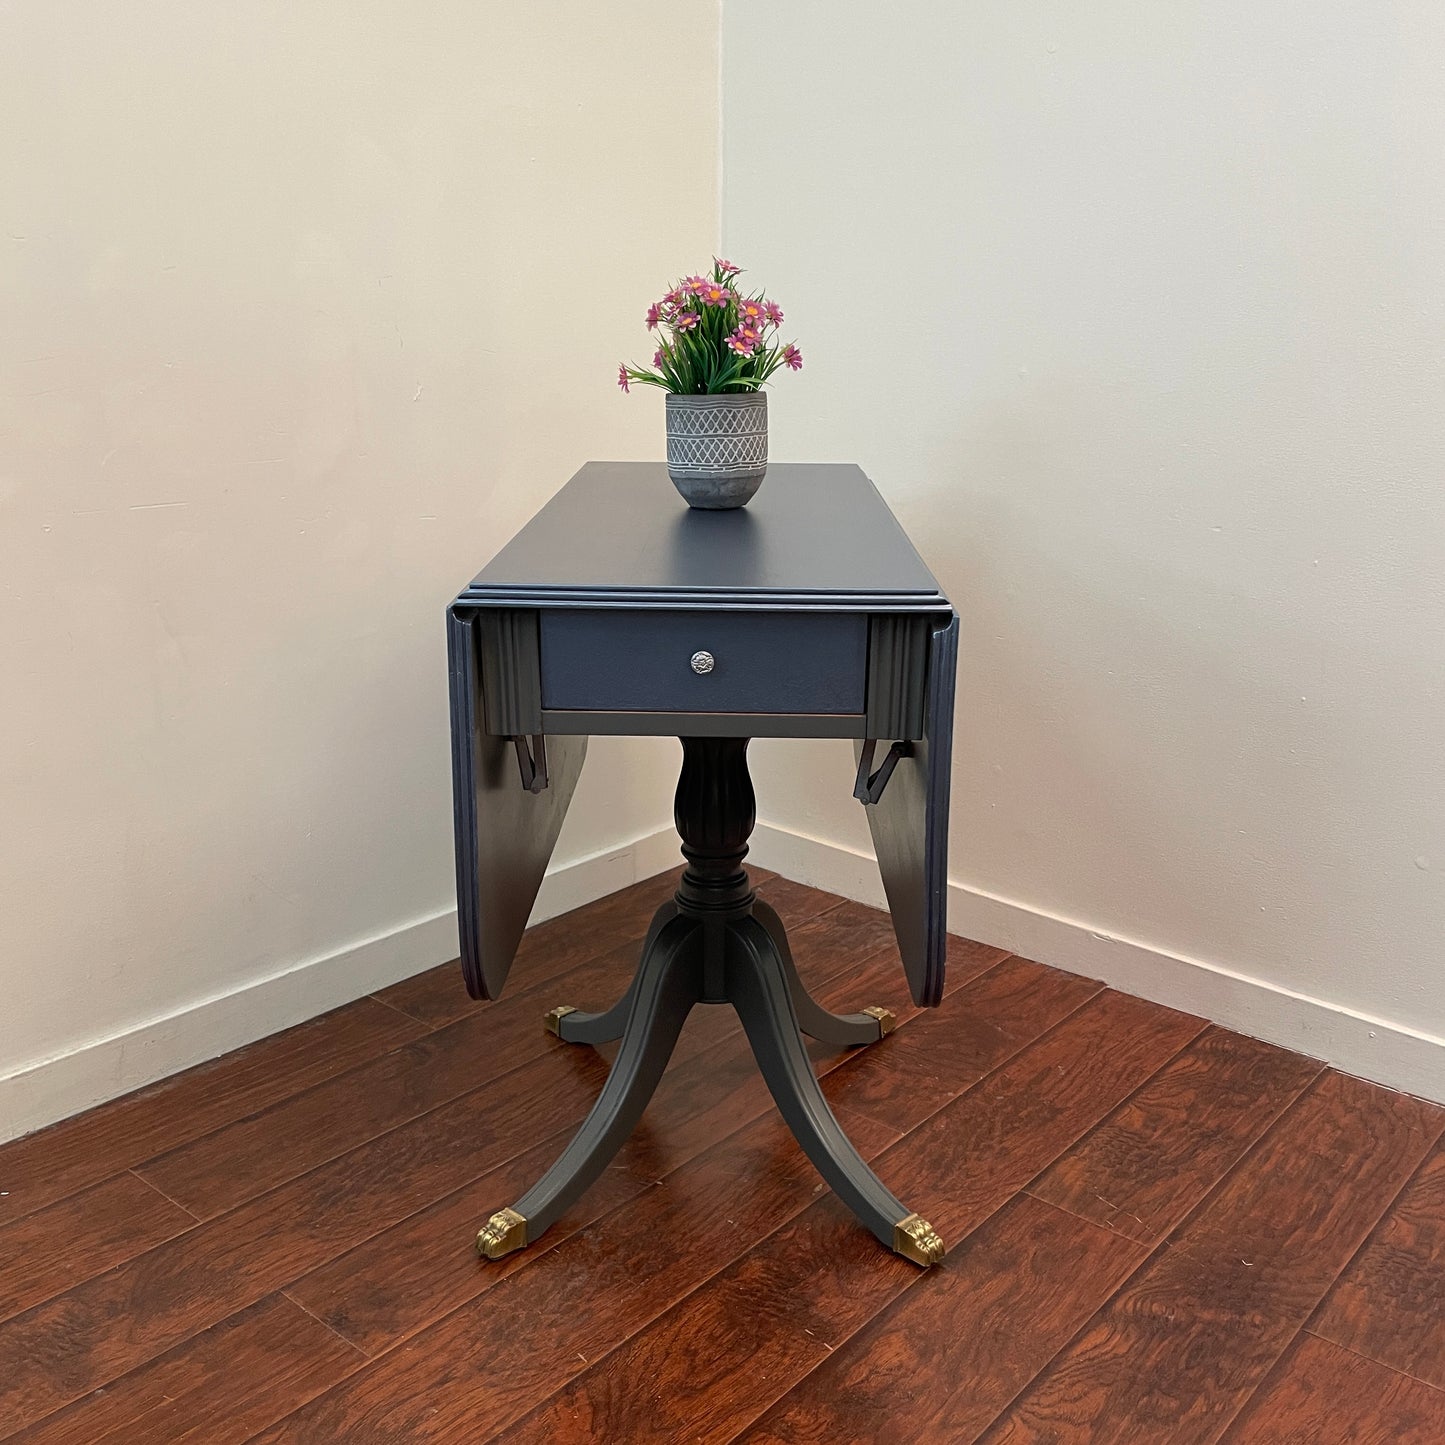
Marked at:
<point>709,439</point>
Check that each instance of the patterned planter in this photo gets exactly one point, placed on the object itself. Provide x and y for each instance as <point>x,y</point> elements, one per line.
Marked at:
<point>717,447</point>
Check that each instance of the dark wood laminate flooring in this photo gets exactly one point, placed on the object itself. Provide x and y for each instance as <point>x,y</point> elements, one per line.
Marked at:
<point>1158,1230</point>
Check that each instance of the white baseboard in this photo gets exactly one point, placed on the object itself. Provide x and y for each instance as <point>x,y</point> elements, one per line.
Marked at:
<point>1387,1052</point>
<point>41,1091</point>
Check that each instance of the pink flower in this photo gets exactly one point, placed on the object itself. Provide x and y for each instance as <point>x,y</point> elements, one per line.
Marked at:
<point>751,312</point>
<point>674,297</point>
<point>654,314</point>
<point>693,285</point>
<point>750,333</point>
<point>726,267</point>
<point>657,357</point>
<point>741,342</point>
<point>774,313</point>
<point>792,357</point>
<point>686,320</point>
<point>711,294</point>
<point>622,377</point>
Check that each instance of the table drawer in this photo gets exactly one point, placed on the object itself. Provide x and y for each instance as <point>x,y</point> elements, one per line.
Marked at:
<point>761,662</point>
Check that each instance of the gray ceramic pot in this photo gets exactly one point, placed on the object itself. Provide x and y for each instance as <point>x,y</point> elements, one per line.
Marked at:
<point>717,447</point>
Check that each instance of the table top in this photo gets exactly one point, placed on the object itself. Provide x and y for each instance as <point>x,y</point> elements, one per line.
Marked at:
<point>817,536</point>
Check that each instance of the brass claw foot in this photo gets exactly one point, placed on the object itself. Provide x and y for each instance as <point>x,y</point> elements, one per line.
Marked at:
<point>553,1018</point>
<point>914,1238</point>
<point>887,1022</point>
<point>505,1231</point>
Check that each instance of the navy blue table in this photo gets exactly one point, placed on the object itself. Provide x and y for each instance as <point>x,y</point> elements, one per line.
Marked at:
<point>619,610</point>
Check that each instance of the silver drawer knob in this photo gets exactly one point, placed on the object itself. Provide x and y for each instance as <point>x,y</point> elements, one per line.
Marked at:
<point>702,662</point>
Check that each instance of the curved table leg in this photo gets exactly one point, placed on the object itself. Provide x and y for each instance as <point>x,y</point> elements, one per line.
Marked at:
<point>573,1026</point>
<point>844,1031</point>
<point>668,984</point>
<point>758,986</point>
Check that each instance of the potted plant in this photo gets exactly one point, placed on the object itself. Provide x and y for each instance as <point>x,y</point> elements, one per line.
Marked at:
<point>717,347</point>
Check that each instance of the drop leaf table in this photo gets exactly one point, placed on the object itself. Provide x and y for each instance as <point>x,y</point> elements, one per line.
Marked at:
<point>618,610</point>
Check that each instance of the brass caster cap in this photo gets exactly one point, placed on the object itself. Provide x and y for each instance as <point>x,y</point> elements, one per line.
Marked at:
<point>886,1020</point>
<point>505,1231</point>
<point>553,1018</point>
<point>914,1238</point>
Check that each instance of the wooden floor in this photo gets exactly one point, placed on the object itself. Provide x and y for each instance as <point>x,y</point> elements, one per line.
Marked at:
<point>1158,1230</point>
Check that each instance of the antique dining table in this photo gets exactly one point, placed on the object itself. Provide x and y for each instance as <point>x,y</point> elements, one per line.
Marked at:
<point>618,610</point>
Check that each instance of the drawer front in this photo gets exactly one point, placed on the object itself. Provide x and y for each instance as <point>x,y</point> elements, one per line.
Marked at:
<point>762,662</point>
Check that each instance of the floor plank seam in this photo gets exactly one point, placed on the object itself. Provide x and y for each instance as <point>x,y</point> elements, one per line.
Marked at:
<point>430,1025</point>
<point>1265,1377</point>
<point>1307,1326</point>
<point>1374,1360</point>
<point>133,1171</point>
<point>330,1329</point>
<point>1093,1224</point>
<point>1228,1428</point>
<point>1369,1239</point>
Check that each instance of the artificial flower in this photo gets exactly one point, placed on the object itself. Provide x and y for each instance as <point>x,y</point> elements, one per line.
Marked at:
<point>711,339</point>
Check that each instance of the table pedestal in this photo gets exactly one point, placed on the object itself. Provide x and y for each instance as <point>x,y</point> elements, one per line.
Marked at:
<point>715,943</point>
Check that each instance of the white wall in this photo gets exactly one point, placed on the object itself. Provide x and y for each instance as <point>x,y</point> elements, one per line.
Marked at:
<point>304,309</point>
<point>1135,313</point>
